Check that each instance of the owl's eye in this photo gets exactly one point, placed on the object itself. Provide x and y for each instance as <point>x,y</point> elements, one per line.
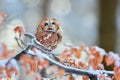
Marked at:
<point>53,23</point>
<point>46,24</point>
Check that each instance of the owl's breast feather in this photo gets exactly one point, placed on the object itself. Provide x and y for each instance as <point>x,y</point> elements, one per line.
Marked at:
<point>48,39</point>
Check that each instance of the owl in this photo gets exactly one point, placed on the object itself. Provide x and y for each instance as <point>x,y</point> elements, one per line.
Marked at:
<point>49,33</point>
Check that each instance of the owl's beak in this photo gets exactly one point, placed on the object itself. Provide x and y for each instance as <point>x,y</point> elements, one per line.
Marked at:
<point>50,25</point>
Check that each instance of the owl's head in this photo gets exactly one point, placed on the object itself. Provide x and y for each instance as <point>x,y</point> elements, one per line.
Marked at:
<point>48,24</point>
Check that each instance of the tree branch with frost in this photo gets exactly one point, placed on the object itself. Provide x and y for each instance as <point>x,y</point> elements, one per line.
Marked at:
<point>77,71</point>
<point>92,74</point>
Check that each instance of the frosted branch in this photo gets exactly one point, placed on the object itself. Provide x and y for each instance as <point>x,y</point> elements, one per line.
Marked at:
<point>92,74</point>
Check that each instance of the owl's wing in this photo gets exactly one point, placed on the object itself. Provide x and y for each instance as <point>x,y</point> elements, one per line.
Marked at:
<point>59,32</point>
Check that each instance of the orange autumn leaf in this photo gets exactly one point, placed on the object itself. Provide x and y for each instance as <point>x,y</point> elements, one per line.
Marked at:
<point>92,49</point>
<point>46,63</point>
<point>2,17</point>
<point>26,58</point>
<point>109,60</point>
<point>71,78</point>
<point>82,65</point>
<point>20,30</point>
<point>95,58</point>
<point>5,53</point>
<point>71,61</point>
<point>61,72</point>
<point>10,71</point>
<point>34,67</point>
<point>85,78</point>
<point>64,55</point>
<point>117,72</point>
<point>77,52</point>
<point>43,63</point>
<point>98,57</point>
<point>1,69</point>
<point>34,64</point>
<point>82,47</point>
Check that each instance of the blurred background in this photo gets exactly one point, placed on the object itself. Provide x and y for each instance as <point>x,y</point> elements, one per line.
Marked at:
<point>89,22</point>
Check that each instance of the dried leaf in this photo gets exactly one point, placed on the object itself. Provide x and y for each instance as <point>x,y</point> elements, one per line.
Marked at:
<point>2,17</point>
<point>77,52</point>
<point>65,55</point>
<point>109,60</point>
<point>20,30</point>
<point>5,53</point>
<point>61,72</point>
<point>85,78</point>
<point>71,77</point>
<point>43,63</point>
<point>117,72</point>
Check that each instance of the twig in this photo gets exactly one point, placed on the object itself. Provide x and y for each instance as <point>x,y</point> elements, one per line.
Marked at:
<point>17,40</point>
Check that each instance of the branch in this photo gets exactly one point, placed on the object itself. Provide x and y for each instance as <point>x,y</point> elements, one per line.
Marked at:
<point>77,71</point>
<point>92,74</point>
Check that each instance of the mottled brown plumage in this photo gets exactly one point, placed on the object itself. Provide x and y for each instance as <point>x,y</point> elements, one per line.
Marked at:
<point>49,33</point>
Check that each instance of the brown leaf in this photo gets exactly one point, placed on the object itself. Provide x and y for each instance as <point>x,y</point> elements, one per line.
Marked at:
<point>85,78</point>
<point>20,30</point>
<point>61,72</point>
<point>6,53</point>
<point>117,72</point>
<point>71,77</point>
<point>109,60</point>
<point>2,17</point>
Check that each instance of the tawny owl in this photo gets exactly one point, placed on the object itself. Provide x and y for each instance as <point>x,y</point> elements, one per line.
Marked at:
<point>49,33</point>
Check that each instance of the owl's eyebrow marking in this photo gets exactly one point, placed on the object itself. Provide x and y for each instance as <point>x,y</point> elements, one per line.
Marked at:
<point>46,19</point>
<point>53,19</point>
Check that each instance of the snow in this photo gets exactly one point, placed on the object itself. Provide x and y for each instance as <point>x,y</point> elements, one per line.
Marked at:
<point>82,58</point>
<point>13,63</point>
<point>3,62</point>
<point>102,51</point>
<point>112,54</point>
<point>117,62</point>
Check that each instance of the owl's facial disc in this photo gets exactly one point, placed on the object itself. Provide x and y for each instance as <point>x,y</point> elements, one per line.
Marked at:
<point>50,24</point>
